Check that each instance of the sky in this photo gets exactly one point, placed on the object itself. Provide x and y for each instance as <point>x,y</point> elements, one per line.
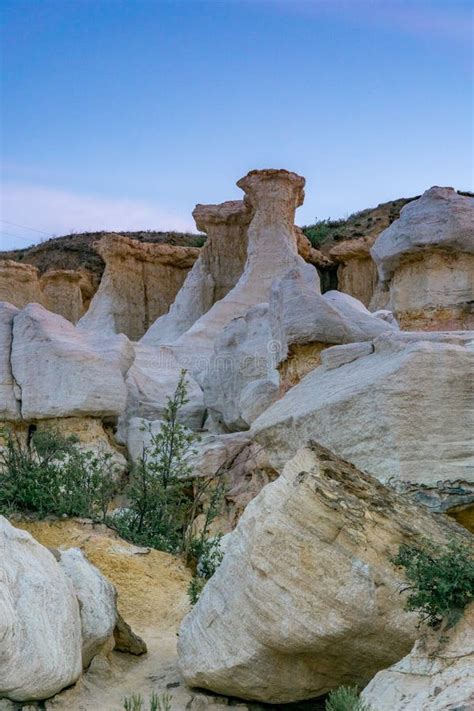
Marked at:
<point>123,114</point>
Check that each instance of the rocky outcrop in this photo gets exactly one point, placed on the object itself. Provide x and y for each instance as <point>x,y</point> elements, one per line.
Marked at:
<point>40,629</point>
<point>217,270</point>
<point>97,602</point>
<point>81,375</point>
<point>315,545</point>
<point>357,272</point>
<point>140,282</point>
<point>435,676</point>
<point>274,196</point>
<point>9,392</point>
<point>427,259</point>
<point>396,407</point>
<point>19,283</point>
<point>62,293</point>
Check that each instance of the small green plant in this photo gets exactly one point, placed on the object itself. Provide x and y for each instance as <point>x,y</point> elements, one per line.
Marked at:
<point>346,698</point>
<point>440,581</point>
<point>320,231</point>
<point>156,703</point>
<point>50,474</point>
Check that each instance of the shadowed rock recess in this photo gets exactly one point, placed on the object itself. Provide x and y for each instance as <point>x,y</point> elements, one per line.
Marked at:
<point>329,378</point>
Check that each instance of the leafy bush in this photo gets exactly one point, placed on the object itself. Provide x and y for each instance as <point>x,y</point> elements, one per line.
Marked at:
<point>49,474</point>
<point>208,554</point>
<point>320,231</point>
<point>346,698</point>
<point>156,703</point>
<point>441,581</point>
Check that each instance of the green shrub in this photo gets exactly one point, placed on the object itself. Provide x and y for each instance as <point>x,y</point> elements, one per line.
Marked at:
<point>50,474</point>
<point>156,703</point>
<point>440,581</point>
<point>346,698</point>
<point>320,231</point>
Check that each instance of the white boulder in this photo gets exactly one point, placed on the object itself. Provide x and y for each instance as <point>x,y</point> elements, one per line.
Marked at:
<point>437,675</point>
<point>40,629</point>
<point>63,372</point>
<point>97,600</point>
<point>9,393</point>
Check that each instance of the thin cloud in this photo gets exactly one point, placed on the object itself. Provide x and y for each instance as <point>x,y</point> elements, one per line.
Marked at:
<point>58,212</point>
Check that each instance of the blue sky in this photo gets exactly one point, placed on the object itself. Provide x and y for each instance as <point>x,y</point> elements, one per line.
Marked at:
<point>122,114</point>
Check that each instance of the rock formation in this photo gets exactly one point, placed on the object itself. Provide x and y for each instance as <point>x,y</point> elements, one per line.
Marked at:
<point>80,374</point>
<point>306,597</point>
<point>140,282</point>
<point>97,602</point>
<point>40,629</point>
<point>61,291</point>
<point>427,259</point>
<point>216,271</point>
<point>19,283</point>
<point>437,674</point>
<point>357,272</point>
<point>9,392</point>
<point>64,291</point>
<point>396,407</point>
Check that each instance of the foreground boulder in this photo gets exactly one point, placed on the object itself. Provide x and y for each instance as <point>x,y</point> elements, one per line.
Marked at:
<point>397,407</point>
<point>97,599</point>
<point>306,597</point>
<point>426,258</point>
<point>437,675</point>
<point>40,629</point>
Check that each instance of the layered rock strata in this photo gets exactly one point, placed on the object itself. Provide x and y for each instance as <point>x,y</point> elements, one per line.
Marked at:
<point>306,597</point>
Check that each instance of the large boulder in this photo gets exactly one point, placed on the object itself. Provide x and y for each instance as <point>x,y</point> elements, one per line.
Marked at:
<point>97,600</point>
<point>397,407</point>
<point>140,282</point>
<point>306,597</point>
<point>217,270</point>
<point>9,392</point>
<point>426,257</point>
<point>437,675</point>
<point>40,629</point>
<point>81,374</point>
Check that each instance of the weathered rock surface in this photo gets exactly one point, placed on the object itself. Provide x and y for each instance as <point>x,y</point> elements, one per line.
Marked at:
<point>242,380</point>
<point>437,675</point>
<point>61,292</point>
<point>306,597</point>
<point>40,632</point>
<point>97,602</point>
<point>19,284</point>
<point>403,412</point>
<point>9,394</point>
<point>427,258</point>
<point>357,271</point>
<point>274,196</point>
<point>140,282</point>
<point>80,374</point>
<point>217,270</point>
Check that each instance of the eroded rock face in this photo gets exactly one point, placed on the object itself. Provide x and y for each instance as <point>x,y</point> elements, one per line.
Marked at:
<point>62,293</point>
<point>140,282</point>
<point>397,407</point>
<point>97,599</point>
<point>9,394</point>
<point>436,675</point>
<point>357,272</point>
<point>427,259</point>
<point>217,270</point>
<point>274,196</point>
<point>64,373</point>
<point>40,630</point>
<point>19,283</point>
<point>306,597</point>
